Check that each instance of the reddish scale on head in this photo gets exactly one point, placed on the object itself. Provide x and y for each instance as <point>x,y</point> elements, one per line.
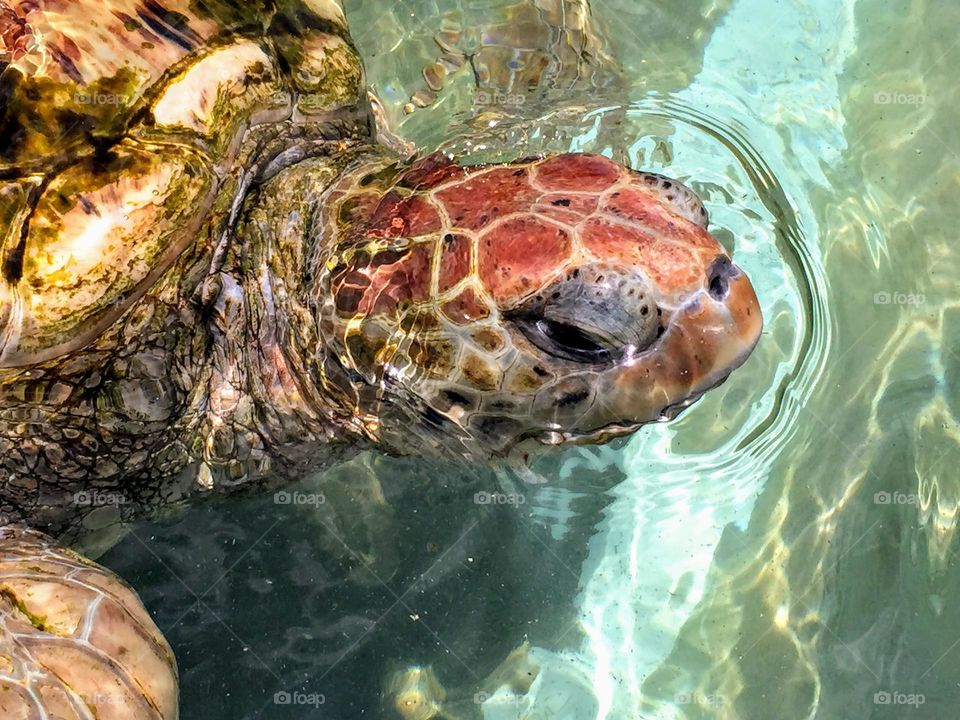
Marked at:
<point>583,173</point>
<point>665,263</point>
<point>465,308</point>
<point>398,216</point>
<point>644,208</point>
<point>429,172</point>
<point>521,254</point>
<point>580,204</point>
<point>565,207</point>
<point>404,278</point>
<point>454,261</point>
<point>349,287</point>
<point>480,199</point>
<point>356,210</point>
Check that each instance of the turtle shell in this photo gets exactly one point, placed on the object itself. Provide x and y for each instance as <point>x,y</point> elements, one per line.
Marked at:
<point>76,641</point>
<point>124,134</point>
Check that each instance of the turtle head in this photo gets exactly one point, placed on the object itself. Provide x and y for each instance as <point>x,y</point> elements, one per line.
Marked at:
<point>561,299</point>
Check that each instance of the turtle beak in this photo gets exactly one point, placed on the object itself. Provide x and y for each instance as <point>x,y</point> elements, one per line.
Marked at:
<point>704,340</point>
<point>708,338</point>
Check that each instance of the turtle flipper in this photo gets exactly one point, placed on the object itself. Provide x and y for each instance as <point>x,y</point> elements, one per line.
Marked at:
<point>545,45</point>
<point>75,640</point>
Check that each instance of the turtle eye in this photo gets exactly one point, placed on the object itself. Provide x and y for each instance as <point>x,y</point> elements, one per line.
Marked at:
<point>594,315</point>
<point>568,342</point>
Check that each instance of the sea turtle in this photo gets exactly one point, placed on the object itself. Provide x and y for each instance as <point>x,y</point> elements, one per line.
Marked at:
<point>214,277</point>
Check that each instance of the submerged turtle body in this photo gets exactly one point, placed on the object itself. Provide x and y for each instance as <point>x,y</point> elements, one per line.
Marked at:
<point>212,276</point>
<point>542,44</point>
<point>118,219</point>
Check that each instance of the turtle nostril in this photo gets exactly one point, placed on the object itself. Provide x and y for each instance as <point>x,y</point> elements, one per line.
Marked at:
<point>719,274</point>
<point>718,287</point>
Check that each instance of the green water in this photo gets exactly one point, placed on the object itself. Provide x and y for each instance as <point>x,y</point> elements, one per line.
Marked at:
<point>785,549</point>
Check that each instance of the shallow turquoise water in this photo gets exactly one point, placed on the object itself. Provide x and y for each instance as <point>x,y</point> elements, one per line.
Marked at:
<point>784,549</point>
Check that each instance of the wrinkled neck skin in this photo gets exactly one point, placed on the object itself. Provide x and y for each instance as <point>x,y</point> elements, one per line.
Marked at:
<point>279,349</point>
<point>278,403</point>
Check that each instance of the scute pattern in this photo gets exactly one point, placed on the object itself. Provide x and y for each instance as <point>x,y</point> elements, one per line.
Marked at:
<point>128,135</point>
<point>100,234</point>
<point>75,641</point>
<point>453,251</point>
